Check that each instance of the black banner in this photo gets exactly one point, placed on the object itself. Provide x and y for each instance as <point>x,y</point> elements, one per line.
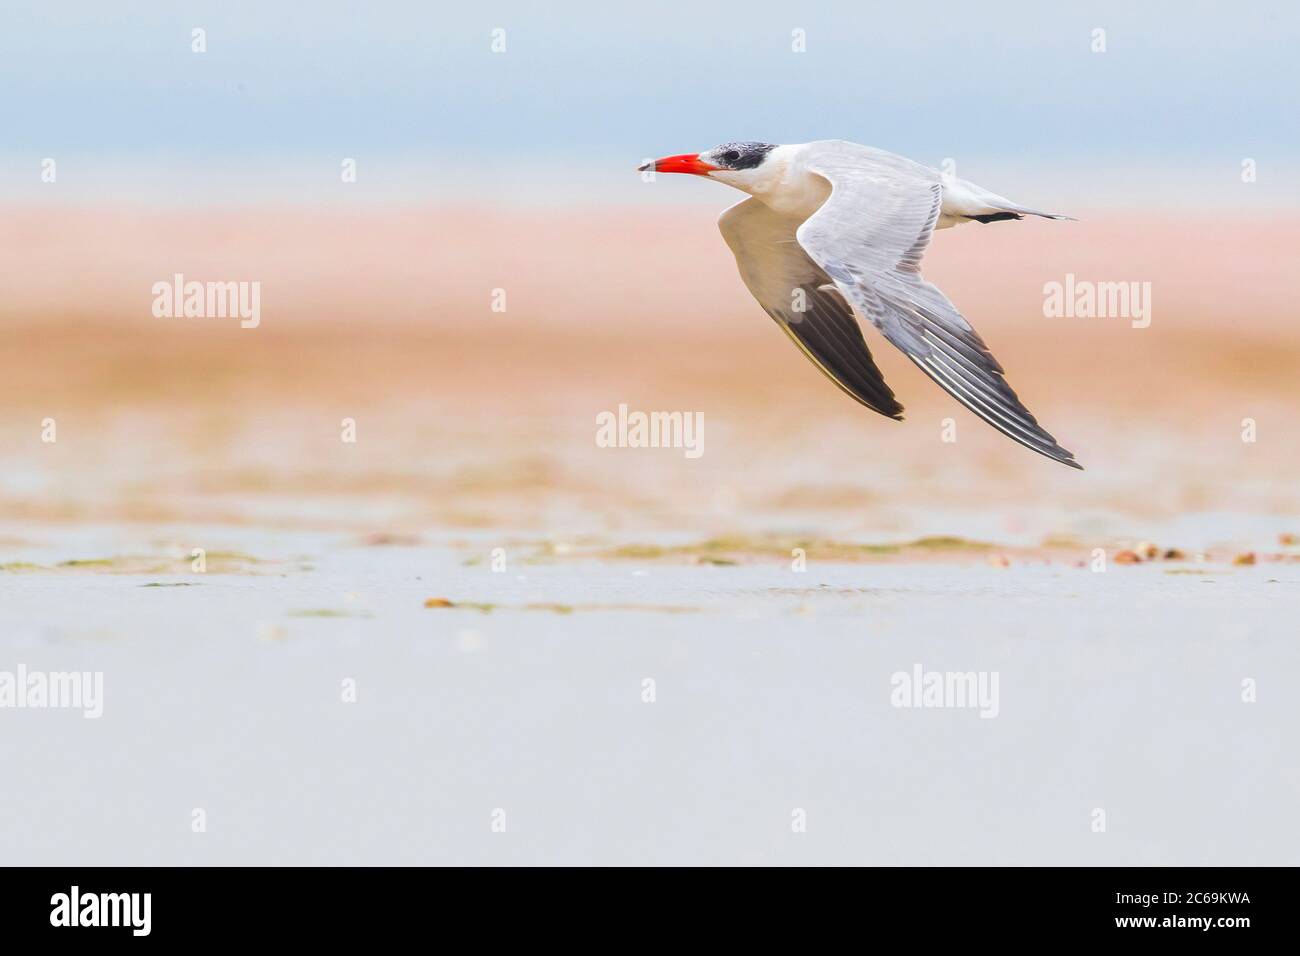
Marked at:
<point>1150,906</point>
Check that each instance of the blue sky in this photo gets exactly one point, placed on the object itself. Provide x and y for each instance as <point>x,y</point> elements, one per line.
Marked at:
<point>582,87</point>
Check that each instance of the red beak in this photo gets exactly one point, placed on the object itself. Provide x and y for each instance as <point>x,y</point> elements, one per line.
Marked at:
<point>685,163</point>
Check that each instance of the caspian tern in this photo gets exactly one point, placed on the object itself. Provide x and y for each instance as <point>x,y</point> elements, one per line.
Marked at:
<point>834,230</point>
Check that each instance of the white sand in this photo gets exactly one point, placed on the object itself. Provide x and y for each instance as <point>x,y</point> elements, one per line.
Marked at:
<point>1119,691</point>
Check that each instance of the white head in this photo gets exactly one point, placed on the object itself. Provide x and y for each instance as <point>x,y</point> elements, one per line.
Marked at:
<point>741,165</point>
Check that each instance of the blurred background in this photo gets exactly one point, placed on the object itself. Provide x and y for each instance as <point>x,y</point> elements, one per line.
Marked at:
<point>478,170</point>
<point>494,148</point>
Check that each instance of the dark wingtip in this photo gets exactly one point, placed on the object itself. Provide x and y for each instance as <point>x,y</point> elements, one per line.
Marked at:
<point>996,217</point>
<point>1057,453</point>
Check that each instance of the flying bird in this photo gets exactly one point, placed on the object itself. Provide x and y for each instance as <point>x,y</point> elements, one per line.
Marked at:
<point>834,232</point>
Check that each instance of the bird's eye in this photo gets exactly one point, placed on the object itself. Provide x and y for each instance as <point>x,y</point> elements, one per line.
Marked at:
<point>731,155</point>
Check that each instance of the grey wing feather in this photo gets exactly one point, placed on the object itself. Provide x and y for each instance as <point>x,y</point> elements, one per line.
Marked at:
<point>805,303</point>
<point>869,237</point>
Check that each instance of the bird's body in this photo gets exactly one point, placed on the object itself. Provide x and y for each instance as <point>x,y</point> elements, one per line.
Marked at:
<point>834,232</point>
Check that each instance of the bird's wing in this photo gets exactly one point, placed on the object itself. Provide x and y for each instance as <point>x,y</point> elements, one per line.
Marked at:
<point>794,291</point>
<point>869,237</point>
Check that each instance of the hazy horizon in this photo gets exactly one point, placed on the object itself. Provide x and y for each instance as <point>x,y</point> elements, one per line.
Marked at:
<point>419,99</point>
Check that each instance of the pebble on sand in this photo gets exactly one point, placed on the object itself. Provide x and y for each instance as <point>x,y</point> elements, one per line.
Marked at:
<point>1247,558</point>
<point>438,602</point>
<point>380,539</point>
<point>1127,557</point>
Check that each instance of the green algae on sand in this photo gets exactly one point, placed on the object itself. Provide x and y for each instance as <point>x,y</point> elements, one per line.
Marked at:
<point>729,549</point>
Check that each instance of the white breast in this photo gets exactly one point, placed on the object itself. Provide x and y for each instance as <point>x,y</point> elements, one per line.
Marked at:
<point>787,187</point>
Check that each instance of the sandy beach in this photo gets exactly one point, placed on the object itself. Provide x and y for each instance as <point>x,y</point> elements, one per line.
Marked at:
<point>498,586</point>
